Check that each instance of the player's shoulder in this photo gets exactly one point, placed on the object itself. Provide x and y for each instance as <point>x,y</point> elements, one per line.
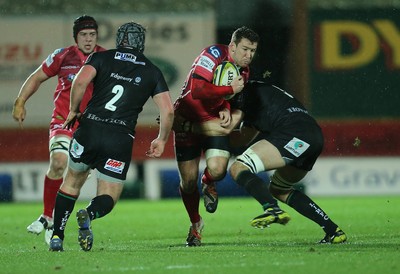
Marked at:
<point>106,54</point>
<point>57,56</point>
<point>66,51</point>
<point>99,49</point>
<point>260,86</point>
<point>69,49</point>
<point>59,51</point>
<point>218,51</point>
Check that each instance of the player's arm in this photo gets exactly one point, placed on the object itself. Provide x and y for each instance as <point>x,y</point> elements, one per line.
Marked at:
<point>165,106</point>
<point>208,128</point>
<point>29,87</point>
<point>202,89</point>
<point>243,136</point>
<point>82,79</point>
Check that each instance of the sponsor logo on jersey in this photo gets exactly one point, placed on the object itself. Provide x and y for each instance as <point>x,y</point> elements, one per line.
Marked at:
<point>76,149</point>
<point>94,117</point>
<point>206,62</point>
<point>50,58</point>
<point>214,51</point>
<point>296,109</point>
<point>128,57</point>
<point>114,166</point>
<point>58,126</point>
<point>71,67</point>
<point>120,77</point>
<point>297,146</point>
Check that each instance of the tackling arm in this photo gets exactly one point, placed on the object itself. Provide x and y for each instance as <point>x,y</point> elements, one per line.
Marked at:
<point>208,128</point>
<point>202,89</point>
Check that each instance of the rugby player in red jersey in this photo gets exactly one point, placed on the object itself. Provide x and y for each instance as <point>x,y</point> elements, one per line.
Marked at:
<point>201,101</point>
<point>63,63</point>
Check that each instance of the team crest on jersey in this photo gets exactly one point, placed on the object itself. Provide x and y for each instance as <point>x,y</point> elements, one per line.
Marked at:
<point>114,166</point>
<point>71,77</point>
<point>76,149</point>
<point>297,146</point>
<point>207,63</point>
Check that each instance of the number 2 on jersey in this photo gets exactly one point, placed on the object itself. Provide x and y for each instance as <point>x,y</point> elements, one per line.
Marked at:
<point>118,90</point>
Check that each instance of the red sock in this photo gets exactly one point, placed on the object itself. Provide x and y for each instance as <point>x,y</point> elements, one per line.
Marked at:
<point>207,178</point>
<point>49,195</point>
<point>191,202</point>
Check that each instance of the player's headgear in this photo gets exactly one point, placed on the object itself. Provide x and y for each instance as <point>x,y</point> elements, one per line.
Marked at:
<point>84,22</point>
<point>131,35</point>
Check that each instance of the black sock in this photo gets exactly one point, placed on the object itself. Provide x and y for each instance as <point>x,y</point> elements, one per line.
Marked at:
<point>62,210</point>
<point>257,188</point>
<point>100,206</point>
<point>308,208</point>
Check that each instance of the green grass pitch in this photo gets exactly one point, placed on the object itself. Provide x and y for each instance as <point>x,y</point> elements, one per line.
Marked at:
<point>142,236</point>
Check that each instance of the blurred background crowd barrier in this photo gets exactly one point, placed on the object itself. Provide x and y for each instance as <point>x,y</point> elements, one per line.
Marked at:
<point>340,58</point>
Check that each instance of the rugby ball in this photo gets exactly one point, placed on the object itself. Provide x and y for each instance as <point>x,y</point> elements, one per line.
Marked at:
<point>224,74</point>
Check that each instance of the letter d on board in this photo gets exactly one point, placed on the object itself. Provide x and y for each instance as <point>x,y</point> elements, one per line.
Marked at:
<point>364,38</point>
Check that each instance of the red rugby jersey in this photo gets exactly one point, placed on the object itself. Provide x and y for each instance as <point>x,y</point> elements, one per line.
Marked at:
<point>65,63</point>
<point>192,104</point>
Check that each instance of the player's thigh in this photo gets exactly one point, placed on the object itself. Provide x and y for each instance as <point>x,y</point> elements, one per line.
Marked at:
<point>268,154</point>
<point>188,149</point>
<point>113,159</point>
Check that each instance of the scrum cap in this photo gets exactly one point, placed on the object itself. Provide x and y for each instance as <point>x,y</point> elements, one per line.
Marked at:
<point>131,35</point>
<point>84,22</point>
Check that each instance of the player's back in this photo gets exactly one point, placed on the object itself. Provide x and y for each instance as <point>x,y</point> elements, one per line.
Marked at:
<point>269,107</point>
<point>124,81</point>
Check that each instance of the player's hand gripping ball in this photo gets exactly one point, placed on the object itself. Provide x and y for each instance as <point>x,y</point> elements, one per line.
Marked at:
<point>224,75</point>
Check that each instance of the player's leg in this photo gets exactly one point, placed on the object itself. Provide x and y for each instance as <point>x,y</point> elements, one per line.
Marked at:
<point>214,171</point>
<point>281,187</point>
<point>65,201</point>
<point>112,164</point>
<point>109,190</point>
<point>77,173</point>
<point>187,153</point>
<point>58,147</point>
<point>259,157</point>
<point>217,156</point>
<point>190,195</point>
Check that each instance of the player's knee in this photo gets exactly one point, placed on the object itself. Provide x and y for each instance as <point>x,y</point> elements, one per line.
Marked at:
<point>217,171</point>
<point>217,163</point>
<point>248,160</point>
<point>251,160</point>
<point>247,179</point>
<point>188,186</point>
<point>280,188</point>
<point>280,194</point>
<point>58,160</point>
<point>236,168</point>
